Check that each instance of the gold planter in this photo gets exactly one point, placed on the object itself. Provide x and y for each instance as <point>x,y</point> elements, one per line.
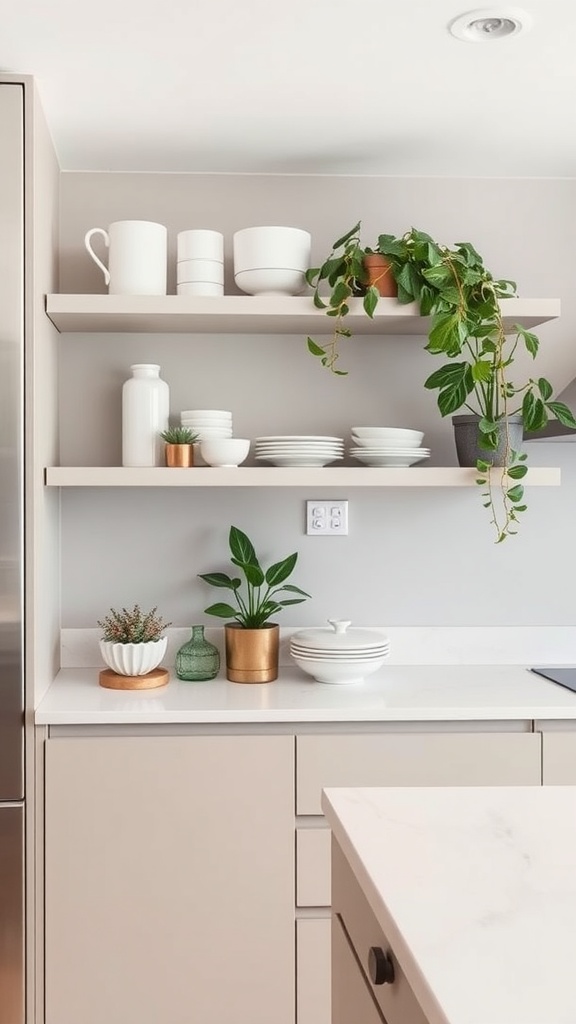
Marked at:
<point>251,654</point>
<point>181,455</point>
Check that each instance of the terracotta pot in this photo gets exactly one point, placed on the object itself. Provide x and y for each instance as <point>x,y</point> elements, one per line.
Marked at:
<point>179,455</point>
<point>379,271</point>
<point>251,654</point>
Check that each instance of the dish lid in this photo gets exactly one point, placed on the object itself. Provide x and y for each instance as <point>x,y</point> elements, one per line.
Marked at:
<point>339,637</point>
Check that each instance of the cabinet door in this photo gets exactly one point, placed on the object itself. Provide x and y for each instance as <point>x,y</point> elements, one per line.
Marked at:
<point>559,758</point>
<point>170,880</point>
<point>352,1001</point>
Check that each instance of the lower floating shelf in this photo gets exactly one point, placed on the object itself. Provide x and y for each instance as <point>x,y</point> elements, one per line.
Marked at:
<point>256,476</point>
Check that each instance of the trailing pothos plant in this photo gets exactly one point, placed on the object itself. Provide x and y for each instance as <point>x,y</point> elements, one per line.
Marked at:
<point>462,298</point>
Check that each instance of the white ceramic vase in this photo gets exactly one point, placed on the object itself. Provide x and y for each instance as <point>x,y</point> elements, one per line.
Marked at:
<point>133,659</point>
<point>145,411</point>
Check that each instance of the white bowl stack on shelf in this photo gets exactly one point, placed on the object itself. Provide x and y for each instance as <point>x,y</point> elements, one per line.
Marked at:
<point>200,262</point>
<point>388,446</point>
<point>299,449</point>
<point>339,654</point>
<point>271,260</point>
<point>207,424</point>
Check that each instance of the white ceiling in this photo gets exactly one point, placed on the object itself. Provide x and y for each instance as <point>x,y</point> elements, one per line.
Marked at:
<point>299,86</point>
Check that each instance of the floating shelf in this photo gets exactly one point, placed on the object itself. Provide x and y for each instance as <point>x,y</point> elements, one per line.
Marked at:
<point>259,314</point>
<point>248,476</point>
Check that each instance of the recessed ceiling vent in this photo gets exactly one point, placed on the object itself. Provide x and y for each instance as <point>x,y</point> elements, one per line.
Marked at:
<point>489,24</point>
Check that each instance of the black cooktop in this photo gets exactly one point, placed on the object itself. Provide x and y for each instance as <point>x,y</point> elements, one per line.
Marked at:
<point>563,676</point>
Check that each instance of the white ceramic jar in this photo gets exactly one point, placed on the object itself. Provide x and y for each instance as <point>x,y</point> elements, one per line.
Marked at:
<point>145,411</point>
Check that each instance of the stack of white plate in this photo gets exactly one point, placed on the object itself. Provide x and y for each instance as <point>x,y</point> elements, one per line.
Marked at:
<point>299,449</point>
<point>339,654</point>
<point>207,422</point>
<point>388,446</point>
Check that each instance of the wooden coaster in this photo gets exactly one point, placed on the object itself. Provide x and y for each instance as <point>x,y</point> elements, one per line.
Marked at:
<point>113,681</point>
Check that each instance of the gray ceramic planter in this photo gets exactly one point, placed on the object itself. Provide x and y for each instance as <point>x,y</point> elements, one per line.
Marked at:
<point>466,438</point>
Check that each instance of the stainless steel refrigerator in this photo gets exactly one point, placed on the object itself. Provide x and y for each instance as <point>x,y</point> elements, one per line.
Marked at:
<point>11,553</point>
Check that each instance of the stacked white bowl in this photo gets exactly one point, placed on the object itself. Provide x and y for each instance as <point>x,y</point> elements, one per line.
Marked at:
<point>339,654</point>
<point>388,446</point>
<point>207,424</point>
<point>271,260</point>
<point>200,262</point>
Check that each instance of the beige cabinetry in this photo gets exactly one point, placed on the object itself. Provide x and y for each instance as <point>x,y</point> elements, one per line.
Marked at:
<point>559,757</point>
<point>170,880</point>
<point>383,759</point>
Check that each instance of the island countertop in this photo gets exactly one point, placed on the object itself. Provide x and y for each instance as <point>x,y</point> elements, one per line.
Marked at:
<point>475,889</point>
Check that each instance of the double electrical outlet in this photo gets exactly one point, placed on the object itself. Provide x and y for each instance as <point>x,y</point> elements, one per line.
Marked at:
<point>325,518</point>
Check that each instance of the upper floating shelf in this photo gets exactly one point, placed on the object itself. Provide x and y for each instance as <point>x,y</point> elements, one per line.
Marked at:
<point>258,314</point>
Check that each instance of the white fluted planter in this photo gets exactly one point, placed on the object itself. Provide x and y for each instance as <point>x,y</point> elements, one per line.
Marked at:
<point>133,659</point>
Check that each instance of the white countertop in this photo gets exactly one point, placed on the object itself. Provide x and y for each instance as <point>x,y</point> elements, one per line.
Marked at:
<point>475,890</point>
<point>397,693</point>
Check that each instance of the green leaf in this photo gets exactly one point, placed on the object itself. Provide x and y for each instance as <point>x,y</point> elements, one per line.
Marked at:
<point>241,547</point>
<point>449,375</point>
<point>318,302</point>
<point>280,571</point>
<point>349,234</point>
<point>530,340</point>
<point>314,348</point>
<point>517,472</point>
<point>311,275</point>
<point>482,466</point>
<point>295,590</point>
<point>219,579</point>
<point>515,493</point>
<point>444,336</point>
<point>371,300</point>
<point>295,600</point>
<point>223,611</point>
<point>342,291</point>
<point>562,413</point>
<point>482,371</point>
<point>253,573</point>
<point>545,388</point>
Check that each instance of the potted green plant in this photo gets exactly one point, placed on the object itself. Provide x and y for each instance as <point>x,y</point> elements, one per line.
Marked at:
<point>251,640</point>
<point>351,269</point>
<point>132,645</point>
<point>462,299</point>
<point>179,446</point>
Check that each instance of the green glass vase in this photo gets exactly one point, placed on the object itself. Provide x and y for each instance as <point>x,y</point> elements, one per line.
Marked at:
<point>197,659</point>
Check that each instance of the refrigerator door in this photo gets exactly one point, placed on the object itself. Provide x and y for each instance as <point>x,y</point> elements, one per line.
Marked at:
<point>11,441</point>
<point>11,915</point>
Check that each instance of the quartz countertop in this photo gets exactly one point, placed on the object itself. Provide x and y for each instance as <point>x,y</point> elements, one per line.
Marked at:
<point>475,889</point>
<point>397,693</point>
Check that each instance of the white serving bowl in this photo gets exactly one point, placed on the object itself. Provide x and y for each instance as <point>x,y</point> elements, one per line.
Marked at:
<point>273,281</point>
<point>199,288</point>
<point>401,436</point>
<point>339,672</point>
<point>133,659</point>
<point>270,247</point>
<point>224,452</point>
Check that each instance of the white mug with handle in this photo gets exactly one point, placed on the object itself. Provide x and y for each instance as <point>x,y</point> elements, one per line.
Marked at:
<point>137,260</point>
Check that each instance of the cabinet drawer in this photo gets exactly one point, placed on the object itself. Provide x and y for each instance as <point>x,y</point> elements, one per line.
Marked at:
<point>413,759</point>
<point>314,971</point>
<point>313,867</point>
<point>397,1001</point>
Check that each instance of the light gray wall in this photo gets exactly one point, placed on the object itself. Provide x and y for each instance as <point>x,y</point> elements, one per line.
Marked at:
<point>412,557</point>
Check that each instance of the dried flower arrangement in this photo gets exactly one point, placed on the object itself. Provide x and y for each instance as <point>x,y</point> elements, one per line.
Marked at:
<point>132,627</point>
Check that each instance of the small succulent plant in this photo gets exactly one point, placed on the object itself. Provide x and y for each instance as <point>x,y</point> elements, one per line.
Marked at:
<point>132,627</point>
<point>178,435</point>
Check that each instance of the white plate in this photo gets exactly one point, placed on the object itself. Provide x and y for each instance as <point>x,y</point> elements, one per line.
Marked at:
<point>304,450</point>
<point>299,460</point>
<point>300,437</point>
<point>398,461</point>
<point>333,660</point>
<point>319,651</point>
<point>379,450</point>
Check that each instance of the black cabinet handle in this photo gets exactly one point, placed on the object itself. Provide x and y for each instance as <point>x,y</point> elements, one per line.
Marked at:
<point>380,967</point>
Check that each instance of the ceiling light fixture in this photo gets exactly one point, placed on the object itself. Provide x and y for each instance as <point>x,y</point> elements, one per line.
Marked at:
<point>490,23</point>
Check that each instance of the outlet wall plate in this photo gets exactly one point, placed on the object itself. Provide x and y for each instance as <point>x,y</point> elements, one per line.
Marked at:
<point>327,518</point>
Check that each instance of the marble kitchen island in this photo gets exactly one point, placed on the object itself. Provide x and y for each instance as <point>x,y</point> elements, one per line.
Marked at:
<point>470,893</point>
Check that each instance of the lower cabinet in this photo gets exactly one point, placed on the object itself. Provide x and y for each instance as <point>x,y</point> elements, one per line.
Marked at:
<point>170,880</point>
<point>559,758</point>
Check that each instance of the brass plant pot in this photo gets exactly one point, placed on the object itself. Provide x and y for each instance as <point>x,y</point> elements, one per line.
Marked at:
<point>181,455</point>
<point>251,654</point>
